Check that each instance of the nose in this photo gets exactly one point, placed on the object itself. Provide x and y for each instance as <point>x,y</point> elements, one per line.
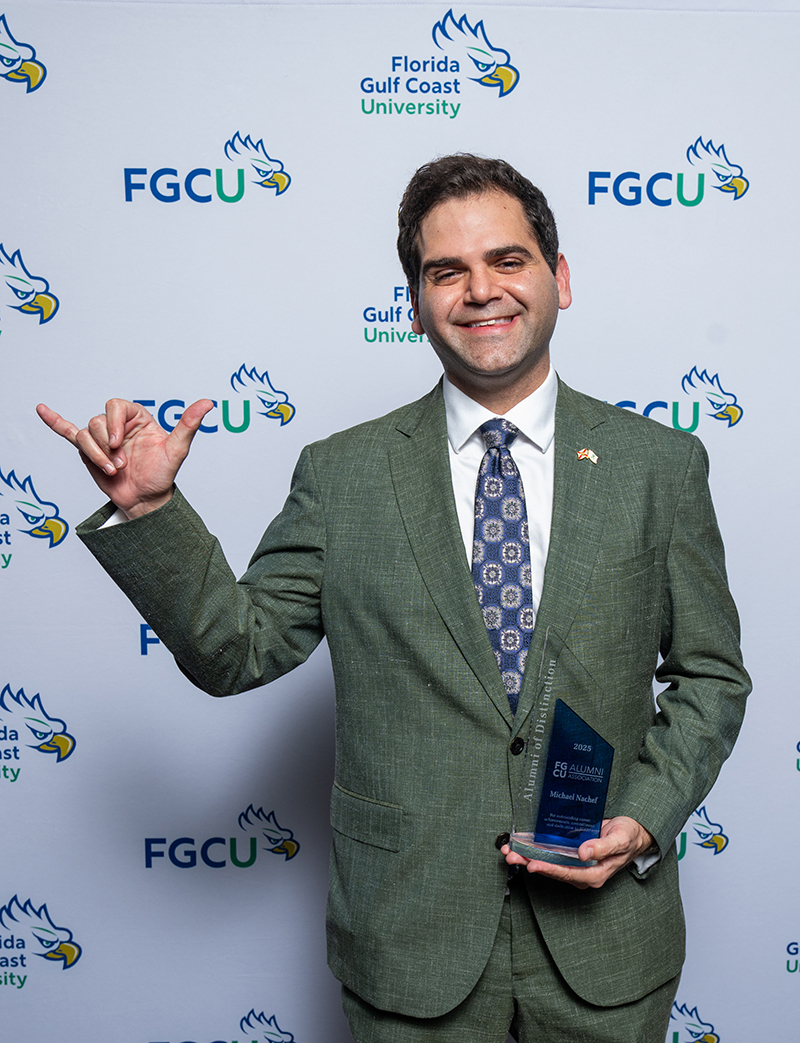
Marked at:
<point>482,286</point>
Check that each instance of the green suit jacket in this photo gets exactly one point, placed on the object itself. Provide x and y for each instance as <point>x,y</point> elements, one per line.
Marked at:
<point>368,553</point>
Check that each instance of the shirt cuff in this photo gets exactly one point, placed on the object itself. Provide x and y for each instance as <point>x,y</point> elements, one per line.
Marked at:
<point>117,518</point>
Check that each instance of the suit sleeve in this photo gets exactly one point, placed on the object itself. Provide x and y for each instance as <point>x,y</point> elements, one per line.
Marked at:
<point>701,710</point>
<point>226,636</point>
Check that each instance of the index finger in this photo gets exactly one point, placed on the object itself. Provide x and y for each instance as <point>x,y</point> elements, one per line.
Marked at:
<point>57,423</point>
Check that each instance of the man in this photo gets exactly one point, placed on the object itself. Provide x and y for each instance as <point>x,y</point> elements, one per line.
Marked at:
<point>619,556</point>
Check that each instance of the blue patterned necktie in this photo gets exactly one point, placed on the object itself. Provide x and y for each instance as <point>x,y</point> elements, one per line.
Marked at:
<point>501,557</point>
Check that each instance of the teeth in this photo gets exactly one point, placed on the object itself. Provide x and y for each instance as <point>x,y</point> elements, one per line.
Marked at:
<point>488,322</point>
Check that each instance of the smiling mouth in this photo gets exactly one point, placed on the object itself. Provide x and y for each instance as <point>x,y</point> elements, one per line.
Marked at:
<point>504,320</point>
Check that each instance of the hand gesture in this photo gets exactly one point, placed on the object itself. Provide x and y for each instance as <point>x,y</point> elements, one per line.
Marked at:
<point>131,458</point>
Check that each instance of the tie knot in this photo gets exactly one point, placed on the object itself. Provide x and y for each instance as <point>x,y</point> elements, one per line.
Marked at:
<point>498,433</point>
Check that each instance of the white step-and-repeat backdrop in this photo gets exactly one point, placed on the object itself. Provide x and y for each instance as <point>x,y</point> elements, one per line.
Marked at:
<point>198,199</point>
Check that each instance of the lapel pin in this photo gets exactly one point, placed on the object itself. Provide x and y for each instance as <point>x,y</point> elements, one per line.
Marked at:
<point>587,454</point>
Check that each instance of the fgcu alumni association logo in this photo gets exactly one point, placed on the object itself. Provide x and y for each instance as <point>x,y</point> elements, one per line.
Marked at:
<point>705,833</point>
<point>257,825</point>
<point>27,931</point>
<point>711,168</point>
<point>253,164</point>
<point>23,510</point>
<point>25,721</point>
<point>21,291</point>
<point>235,412</point>
<point>17,60</point>
<point>714,401</point>
<point>431,85</point>
<point>686,1026</point>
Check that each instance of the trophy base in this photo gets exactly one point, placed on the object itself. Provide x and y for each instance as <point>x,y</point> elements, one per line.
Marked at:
<point>557,854</point>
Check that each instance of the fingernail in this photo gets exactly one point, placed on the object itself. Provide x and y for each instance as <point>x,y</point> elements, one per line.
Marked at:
<point>109,468</point>
<point>118,461</point>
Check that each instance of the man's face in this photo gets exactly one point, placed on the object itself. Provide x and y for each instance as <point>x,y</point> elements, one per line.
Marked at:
<point>486,297</point>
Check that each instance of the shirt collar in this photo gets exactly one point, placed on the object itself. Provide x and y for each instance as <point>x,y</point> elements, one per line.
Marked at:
<point>535,416</point>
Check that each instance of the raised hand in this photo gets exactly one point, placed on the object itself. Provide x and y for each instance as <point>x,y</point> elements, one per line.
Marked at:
<point>131,458</point>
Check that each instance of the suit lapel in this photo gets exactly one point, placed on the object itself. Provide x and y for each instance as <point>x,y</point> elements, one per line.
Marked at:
<point>423,485</point>
<point>579,510</point>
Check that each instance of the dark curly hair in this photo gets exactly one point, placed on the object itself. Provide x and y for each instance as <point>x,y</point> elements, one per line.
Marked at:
<point>460,175</point>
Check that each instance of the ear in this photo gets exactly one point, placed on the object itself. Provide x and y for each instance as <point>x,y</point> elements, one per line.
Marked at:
<point>562,282</point>
<point>416,325</point>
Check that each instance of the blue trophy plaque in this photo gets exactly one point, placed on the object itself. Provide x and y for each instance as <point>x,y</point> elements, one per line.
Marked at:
<point>573,787</point>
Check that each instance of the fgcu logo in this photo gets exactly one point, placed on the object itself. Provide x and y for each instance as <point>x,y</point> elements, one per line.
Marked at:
<point>17,60</point>
<point>717,403</point>
<point>429,86</point>
<point>235,413</point>
<point>262,1027</point>
<point>704,833</point>
<point>182,852</point>
<point>793,966</point>
<point>686,1026</point>
<point>22,510</point>
<point>200,185</point>
<point>711,169</point>
<point>21,291</point>
<point>255,1028</point>
<point>25,721</point>
<point>27,931</point>
<point>469,47</point>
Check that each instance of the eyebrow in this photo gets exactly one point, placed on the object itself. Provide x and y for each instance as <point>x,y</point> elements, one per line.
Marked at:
<point>490,255</point>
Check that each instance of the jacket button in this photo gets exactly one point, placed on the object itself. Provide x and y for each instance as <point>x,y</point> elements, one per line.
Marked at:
<point>517,745</point>
<point>500,839</point>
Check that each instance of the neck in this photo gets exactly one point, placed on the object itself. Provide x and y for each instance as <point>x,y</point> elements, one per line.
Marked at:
<point>499,400</point>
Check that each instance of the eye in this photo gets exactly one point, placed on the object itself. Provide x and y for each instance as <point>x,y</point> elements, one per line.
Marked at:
<point>22,294</point>
<point>38,735</point>
<point>46,943</point>
<point>8,61</point>
<point>482,66</point>
<point>31,519</point>
<point>261,171</point>
<point>446,275</point>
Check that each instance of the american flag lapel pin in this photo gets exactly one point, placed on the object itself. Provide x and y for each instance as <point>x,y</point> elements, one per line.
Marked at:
<point>587,454</point>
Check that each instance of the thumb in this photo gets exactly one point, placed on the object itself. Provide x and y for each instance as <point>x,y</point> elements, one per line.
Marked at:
<point>180,438</point>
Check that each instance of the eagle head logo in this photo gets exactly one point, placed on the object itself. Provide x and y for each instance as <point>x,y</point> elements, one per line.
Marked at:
<point>267,1027</point>
<point>22,291</point>
<point>43,937</point>
<point>34,517</point>
<point>279,841</point>
<point>269,173</point>
<point>686,1026</point>
<point>477,58</point>
<point>709,833</point>
<point>37,729</point>
<point>276,403</point>
<point>723,404</point>
<point>722,174</point>
<point>17,60</point>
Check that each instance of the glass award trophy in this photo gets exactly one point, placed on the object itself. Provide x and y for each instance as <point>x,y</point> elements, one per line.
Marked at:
<point>567,768</point>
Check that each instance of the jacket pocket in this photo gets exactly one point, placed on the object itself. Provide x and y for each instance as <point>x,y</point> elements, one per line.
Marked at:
<point>625,568</point>
<point>362,818</point>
